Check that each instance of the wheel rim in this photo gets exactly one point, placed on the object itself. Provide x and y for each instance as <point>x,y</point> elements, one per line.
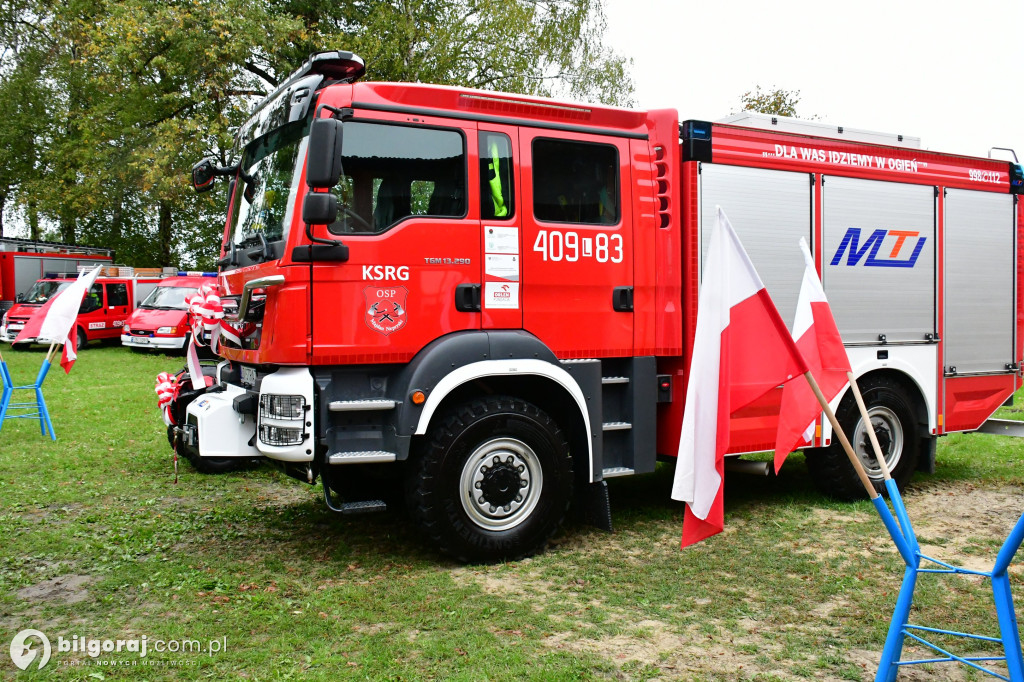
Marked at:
<point>501,484</point>
<point>888,431</point>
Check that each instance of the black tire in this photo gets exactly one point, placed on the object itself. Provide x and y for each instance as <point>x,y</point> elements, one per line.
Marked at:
<point>892,414</point>
<point>493,481</point>
<point>82,340</point>
<point>206,465</point>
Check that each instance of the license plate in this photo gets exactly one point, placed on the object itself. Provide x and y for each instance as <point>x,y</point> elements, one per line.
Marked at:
<point>15,327</point>
<point>139,340</point>
<point>248,377</point>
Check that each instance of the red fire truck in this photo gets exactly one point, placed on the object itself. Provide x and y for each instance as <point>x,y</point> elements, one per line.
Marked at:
<point>486,302</point>
<point>23,261</point>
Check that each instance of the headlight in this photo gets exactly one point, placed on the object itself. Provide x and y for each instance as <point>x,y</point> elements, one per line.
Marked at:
<point>279,435</point>
<point>165,330</point>
<point>282,407</point>
<point>5,319</point>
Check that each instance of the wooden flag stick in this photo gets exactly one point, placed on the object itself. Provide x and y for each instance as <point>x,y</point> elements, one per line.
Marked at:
<point>867,425</point>
<point>838,432</point>
<point>49,353</point>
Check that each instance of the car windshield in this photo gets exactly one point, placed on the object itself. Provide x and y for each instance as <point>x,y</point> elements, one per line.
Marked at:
<point>168,298</point>
<point>270,167</point>
<point>43,291</point>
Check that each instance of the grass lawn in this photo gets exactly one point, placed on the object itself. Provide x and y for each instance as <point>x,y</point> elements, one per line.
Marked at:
<point>97,541</point>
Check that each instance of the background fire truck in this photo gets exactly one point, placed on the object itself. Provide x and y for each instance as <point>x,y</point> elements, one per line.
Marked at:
<point>23,261</point>
<point>485,303</point>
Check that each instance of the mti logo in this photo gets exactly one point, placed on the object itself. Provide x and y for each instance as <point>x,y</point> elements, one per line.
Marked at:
<point>873,243</point>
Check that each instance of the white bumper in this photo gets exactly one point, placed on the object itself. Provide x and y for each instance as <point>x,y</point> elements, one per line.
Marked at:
<point>159,342</point>
<point>222,432</point>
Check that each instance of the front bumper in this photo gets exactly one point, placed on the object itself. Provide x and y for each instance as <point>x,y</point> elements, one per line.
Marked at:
<point>158,342</point>
<point>226,422</point>
<point>9,332</point>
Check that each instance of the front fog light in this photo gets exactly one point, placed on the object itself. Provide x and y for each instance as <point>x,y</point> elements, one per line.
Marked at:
<point>282,407</point>
<point>279,435</point>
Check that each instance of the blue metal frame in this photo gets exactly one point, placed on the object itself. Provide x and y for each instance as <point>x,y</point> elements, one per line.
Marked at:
<point>900,628</point>
<point>35,409</point>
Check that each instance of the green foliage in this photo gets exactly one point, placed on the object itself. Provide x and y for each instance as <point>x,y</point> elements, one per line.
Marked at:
<point>776,101</point>
<point>106,105</point>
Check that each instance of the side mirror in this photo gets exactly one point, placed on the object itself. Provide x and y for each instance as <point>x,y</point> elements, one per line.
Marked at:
<point>203,175</point>
<point>319,208</point>
<point>323,160</point>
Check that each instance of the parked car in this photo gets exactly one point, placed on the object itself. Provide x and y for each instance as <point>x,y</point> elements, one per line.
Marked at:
<point>161,320</point>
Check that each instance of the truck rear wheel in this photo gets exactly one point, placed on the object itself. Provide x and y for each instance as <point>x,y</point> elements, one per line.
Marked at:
<point>493,481</point>
<point>892,417</point>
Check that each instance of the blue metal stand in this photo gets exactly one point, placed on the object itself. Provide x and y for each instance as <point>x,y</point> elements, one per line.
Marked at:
<point>35,409</point>
<point>900,628</point>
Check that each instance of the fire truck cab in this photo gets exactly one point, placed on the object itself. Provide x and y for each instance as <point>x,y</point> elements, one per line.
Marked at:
<point>485,302</point>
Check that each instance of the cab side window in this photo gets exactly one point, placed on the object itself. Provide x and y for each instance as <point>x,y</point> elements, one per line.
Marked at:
<point>497,192</point>
<point>392,172</point>
<point>117,294</point>
<point>92,300</point>
<point>575,182</point>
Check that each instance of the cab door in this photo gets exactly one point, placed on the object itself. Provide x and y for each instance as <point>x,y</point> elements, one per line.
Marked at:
<point>412,228</point>
<point>577,243</point>
<point>117,308</point>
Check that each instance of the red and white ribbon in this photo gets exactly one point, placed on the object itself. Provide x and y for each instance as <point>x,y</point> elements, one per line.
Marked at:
<point>167,388</point>
<point>206,315</point>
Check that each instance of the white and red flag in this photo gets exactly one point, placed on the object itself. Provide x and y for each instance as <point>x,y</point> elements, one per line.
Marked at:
<point>55,321</point>
<point>742,349</point>
<point>817,337</point>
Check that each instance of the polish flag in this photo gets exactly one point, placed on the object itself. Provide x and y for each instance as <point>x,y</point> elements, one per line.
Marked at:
<point>742,349</point>
<point>817,337</point>
<point>54,322</point>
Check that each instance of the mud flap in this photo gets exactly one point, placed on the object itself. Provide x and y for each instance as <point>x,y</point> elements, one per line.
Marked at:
<point>596,507</point>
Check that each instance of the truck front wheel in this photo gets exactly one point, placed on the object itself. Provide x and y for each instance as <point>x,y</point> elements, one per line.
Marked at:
<point>493,481</point>
<point>892,418</point>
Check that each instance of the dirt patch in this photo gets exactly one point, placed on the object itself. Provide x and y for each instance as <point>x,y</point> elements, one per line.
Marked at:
<point>69,589</point>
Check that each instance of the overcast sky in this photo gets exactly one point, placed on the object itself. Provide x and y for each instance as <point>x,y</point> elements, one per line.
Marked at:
<point>951,73</point>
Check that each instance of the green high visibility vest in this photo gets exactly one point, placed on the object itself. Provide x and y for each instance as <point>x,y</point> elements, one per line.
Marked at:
<point>497,195</point>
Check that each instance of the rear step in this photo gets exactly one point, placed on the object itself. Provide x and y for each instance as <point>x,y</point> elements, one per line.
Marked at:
<point>360,405</point>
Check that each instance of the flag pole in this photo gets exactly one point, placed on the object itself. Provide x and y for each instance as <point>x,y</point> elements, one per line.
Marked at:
<point>867,425</point>
<point>838,432</point>
<point>49,353</point>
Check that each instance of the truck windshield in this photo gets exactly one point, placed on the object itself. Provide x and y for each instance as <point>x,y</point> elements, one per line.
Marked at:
<point>270,162</point>
<point>168,298</point>
<point>43,290</point>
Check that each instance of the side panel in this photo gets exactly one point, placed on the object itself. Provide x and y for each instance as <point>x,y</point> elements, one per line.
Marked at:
<point>771,211</point>
<point>879,260</point>
<point>979,270</point>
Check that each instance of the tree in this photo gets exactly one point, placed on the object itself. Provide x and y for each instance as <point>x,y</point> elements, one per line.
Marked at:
<point>128,94</point>
<point>776,101</point>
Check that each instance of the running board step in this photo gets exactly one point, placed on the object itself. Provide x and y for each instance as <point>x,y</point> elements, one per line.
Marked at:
<point>366,507</point>
<point>360,405</point>
<point>614,472</point>
<point>616,426</point>
<point>614,380</point>
<point>365,457</point>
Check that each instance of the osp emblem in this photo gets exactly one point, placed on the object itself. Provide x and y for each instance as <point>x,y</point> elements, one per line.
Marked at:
<point>385,308</point>
<point>851,245</point>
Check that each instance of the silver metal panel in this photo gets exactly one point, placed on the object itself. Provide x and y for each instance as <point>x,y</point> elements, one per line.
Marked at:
<point>26,271</point>
<point>770,210</point>
<point>979,265</point>
<point>879,259</point>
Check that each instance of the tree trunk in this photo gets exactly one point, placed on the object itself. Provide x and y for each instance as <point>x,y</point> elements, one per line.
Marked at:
<point>33,221</point>
<point>3,201</point>
<point>164,228</point>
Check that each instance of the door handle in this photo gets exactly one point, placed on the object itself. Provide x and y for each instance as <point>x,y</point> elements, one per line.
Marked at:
<point>467,298</point>
<point>622,299</point>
